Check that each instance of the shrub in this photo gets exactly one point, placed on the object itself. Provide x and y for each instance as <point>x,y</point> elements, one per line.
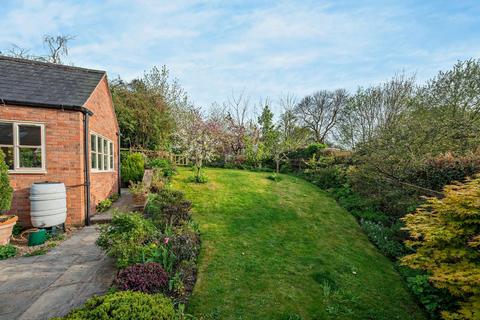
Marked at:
<point>133,166</point>
<point>124,305</point>
<point>164,165</point>
<point>327,177</point>
<point>200,178</point>
<point>149,278</point>
<point>138,188</point>
<point>187,270</point>
<point>176,286</point>
<point>433,299</point>
<point>308,152</point>
<point>159,181</point>
<point>104,205</point>
<point>383,238</point>
<point>6,191</point>
<point>185,243</point>
<point>125,237</point>
<point>168,208</point>
<point>436,172</point>
<point>274,177</point>
<point>114,197</point>
<point>446,236</point>
<point>160,253</point>
<point>7,251</point>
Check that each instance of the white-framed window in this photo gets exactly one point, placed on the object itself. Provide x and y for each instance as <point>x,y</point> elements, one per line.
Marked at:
<point>101,153</point>
<point>23,144</point>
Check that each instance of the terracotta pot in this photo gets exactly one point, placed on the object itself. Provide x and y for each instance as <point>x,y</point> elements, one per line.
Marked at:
<point>6,228</point>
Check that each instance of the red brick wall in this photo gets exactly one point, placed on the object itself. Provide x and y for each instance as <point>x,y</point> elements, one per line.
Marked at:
<point>64,160</point>
<point>103,122</point>
<point>64,135</point>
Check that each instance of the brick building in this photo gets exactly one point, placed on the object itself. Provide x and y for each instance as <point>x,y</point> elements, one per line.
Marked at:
<point>53,120</point>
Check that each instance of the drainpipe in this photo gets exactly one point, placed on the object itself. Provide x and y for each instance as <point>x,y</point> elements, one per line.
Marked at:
<point>86,152</point>
<point>118,165</point>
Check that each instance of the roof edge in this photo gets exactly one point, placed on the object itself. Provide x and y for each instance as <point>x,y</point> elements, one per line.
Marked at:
<point>44,105</point>
<point>49,64</point>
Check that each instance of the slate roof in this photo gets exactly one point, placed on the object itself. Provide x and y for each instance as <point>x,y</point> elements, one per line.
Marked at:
<point>33,83</point>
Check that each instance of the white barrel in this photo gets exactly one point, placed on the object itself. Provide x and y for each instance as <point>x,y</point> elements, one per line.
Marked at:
<point>48,204</point>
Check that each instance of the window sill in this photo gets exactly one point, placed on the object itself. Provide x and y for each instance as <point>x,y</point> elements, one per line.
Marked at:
<point>102,171</point>
<point>27,172</point>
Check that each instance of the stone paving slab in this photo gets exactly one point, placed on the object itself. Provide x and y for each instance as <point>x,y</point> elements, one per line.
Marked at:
<point>125,203</point>
<point>51,285</point>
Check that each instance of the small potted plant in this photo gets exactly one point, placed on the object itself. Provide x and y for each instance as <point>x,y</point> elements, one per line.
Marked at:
<point>6,192</point>
<point>139,192</point>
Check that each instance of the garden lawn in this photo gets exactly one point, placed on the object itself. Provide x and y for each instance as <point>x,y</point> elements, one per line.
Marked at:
<point>286,250</point>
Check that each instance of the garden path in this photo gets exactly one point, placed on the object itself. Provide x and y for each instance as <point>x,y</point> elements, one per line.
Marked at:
<point>125,203</point>
<point>50,285</point>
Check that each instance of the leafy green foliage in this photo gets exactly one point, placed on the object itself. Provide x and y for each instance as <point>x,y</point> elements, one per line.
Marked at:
<point>161,254</point>
<point>434,300</point>
<point>125,305</point>
<point>198,178</point>
<point>7,251</point>
<point>17,229</point>
<point>37,252</point>
<point>125,237</point>
<point>165,166</point>
<point>383,238</point>
<point>445,234</point>
<point>168,208</point>
<point>104,205</point>
<point>138,189</point>
<point>185,242</point>
<point>133,166</point>
<point>6,191</point>
<point>144,109</point>
<point>274,177</point>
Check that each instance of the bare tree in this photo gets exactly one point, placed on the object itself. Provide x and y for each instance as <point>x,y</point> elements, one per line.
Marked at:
<point>320,112</point>
<point>237,110</point>
<point>18,52</point>
<point>57,47</point>
<point>374,108</point>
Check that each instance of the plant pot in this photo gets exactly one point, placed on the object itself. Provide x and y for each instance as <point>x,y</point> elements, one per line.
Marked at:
<point>6,228</point>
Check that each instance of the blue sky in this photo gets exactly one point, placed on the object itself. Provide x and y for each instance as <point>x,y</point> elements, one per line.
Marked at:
<point>265,48</point>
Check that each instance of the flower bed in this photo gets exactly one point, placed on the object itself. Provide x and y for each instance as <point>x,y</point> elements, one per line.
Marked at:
<point>155,252</point>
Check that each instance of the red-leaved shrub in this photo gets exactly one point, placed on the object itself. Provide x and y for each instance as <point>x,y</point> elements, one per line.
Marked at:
<point>149,277</point>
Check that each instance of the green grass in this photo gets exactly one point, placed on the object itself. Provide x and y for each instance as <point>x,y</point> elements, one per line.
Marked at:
<point>286,250</point>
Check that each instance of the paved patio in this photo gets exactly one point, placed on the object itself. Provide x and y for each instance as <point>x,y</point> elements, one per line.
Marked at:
<point>51,285</point>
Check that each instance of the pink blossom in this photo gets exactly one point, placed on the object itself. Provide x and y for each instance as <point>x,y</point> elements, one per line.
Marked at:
<point>165,241</point>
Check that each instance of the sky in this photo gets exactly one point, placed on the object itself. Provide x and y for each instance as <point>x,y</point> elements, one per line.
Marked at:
<point>265,49</point>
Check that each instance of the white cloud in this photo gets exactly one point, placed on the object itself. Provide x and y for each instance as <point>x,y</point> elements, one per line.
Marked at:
<point>216,47</point>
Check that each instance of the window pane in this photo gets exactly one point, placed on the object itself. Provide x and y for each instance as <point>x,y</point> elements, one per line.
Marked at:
<point>105,162</point>
<point>111,163</point>
<point>105,146</point>
<point>6,133</point>
<point>30,157</point>
<point>100,145</point>
<point>29,135</point>
<point>93,142</point>
<point>111,148</point>
<point>94,160</point>
<point>8,152</point>
<point>100,161</point>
